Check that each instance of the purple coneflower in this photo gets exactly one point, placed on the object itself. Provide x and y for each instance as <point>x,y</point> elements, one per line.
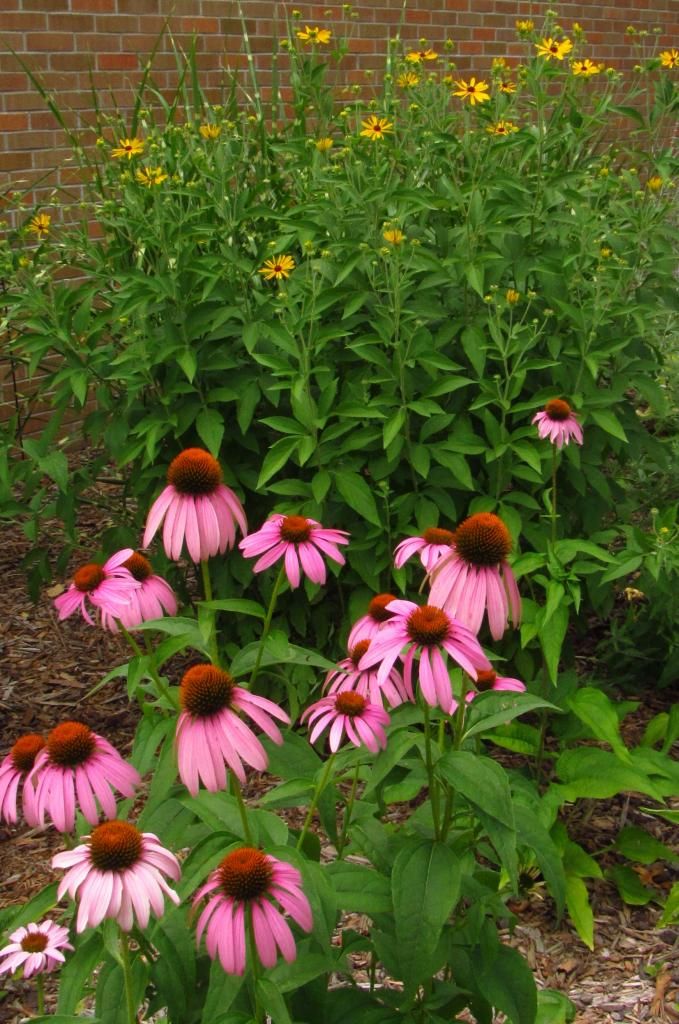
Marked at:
<point>300,541</point>
<point>76,766</point>
<point>558,423</point>
<point>197,508</point>
<point>348,676</point>
<point>118,872</point>
<point>432,545</point>
<point>475,577</point>
<point>243,888</point>
<point>14,771</point>
<point>370,623</point>
<point>107,587</point>
<point>348,712</point>
<point>37,948</point>
<point>490,680</point>
<point>153,598</point>
<point>433,634</point>
<point>211,734</point>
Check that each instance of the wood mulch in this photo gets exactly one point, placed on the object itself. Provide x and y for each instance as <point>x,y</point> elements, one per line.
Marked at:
<point>46,671</point>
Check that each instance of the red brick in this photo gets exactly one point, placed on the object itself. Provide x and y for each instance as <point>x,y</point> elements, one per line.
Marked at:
<point>50,41</point>
<point>13,122</point>
<point>68,22</point>
<point>117,61</point>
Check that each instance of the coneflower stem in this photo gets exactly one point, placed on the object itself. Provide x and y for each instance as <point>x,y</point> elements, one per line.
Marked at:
<point>152,670</point>
<point>242,809</point>
<point>458,733</point>
<point>207,592</point>
<point>257,1013</point>
<point>131,1009</point>
<point>342,842</point>
<point>267,625</point>
<point>433,788</point>
<point>553,514</point>
<point>40,993</point>
<point>322,783</point>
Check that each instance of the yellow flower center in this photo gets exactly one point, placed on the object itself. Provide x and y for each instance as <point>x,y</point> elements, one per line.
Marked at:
<point>194,472</point>
<point>245,874</point>
<point>205,690</point>
<point>115,846</point>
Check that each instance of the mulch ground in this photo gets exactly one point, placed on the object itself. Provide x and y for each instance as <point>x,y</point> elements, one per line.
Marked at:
<point>46,671</point>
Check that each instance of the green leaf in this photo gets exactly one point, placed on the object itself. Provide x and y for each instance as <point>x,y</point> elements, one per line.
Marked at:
<point>489,710</point>
<point>79,966</point>
<point>307,966</point>
<point>359,888</point>
<point>276,458</point>
<point>238,605</point>
<point>608,422</point>
<point>210,427</point>
<point>554,1008</point>
<point>637,845</point>
<point>670,914</point>
<point>599,774</point>
<point>357,495</point>
<point>474,274</point>
<point>580,910</point>
<point>188,361</point>
<point>598,713</point>
<point>508,984</point>
<point>629,886</point>
<point>400,742</point>
<point>393,426</point>
<point>532,833</point>
<point>222,991</point>
<point>34,910</point>
<point>65,1018</point>
<point>425,885</point>
<point>552,636</point>
<point>174,971</point>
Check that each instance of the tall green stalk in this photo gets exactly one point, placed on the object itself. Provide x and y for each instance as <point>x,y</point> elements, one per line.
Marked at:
<point>267,624</point>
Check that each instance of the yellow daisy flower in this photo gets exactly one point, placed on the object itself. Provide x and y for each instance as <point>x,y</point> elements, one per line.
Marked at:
<point>128,148</point>
<point>669,58</point>
<point>375,127</point>
<point>554,48</point>
<point>314,35</point>
<point>475,92</point>
<point>407,80</point>
<point>150,176</point>
<point>394,236</point>
<point>502,128</point>
<point>417,56</point>
<point>506,86</point>
<point>210,131</point>
<point>584,67</point>
<point>512,296</point>
<point>40,224</point>
<point>278,268</point>
<point>324,144</point>
<point>654,184</point>
<point>524,25</point>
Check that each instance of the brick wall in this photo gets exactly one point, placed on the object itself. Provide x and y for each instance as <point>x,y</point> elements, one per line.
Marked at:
<point>73,43</point>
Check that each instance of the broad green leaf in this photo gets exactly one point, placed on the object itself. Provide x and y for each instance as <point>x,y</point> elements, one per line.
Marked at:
<point>605,419</point>
<point>74,975</point>
<point>273,1002</point>
<point>597,712</point>
<point>508,984</point>
<point>357,494</point>
<point>670,914</point>
<point>238,605</point>
<point>637,845</point>
<point>580,909</point>
<point>277,456</point>
<point>210,427</point>
<point>552,636</point>
<point>222,991</point>
<point>591,772</point>
<point>393,426</point>
<point>532,833</point>
<point>425,886</point>
<point>629,886</point>
<point>554,1008</point>
<point>359,888</point>
<point>489,710</point>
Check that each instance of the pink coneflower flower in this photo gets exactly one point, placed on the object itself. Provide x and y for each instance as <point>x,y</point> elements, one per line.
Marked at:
<point>348,712</point>
<point>558,423</point>
<point>78,765</point>
<point>490,680</point>
<point>37,948</point>
<point>348,676</point>
<point>368,625</point>
<point>244,886</point>
<point>118,872</point>
<point>211,734</point>
<point>14,770</point>
<point>298,540</point>
<point>197,507</point>
<point>432,545</point>
<point>475,576</point>
<point>430,632</point>
<point>153,598</point>
<point>107,587</point>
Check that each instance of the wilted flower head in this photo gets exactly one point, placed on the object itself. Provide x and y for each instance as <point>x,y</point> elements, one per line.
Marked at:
<point>37,948</point>
<point>14,770</point>
<point>117,872</point>
<point>369,624</point>
<point>197,507</point>
<point>107,587</point>
<point>77,767</point>
<point>475,577</point>
<point>153,599</point>
<point>431,545</point>
<point>348,711</point>
<point>300,542</point>
<point>245,885</point>
<point>211,734</point>
<point>558,423</point>
<point>489,680</point>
